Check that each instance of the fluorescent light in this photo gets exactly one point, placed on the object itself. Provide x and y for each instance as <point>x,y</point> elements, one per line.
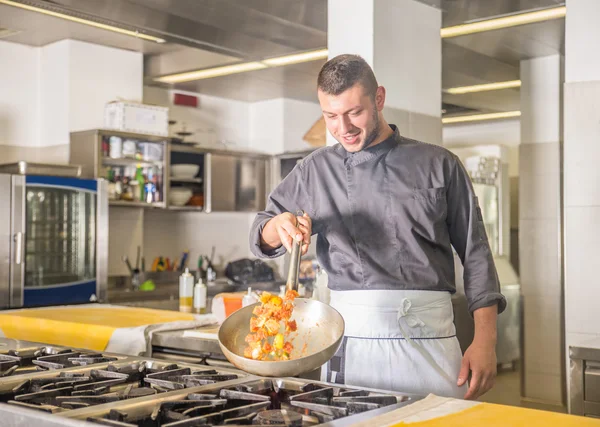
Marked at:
<point>294,59</point>
<point>480,117</point>
<point>504,22</point>
<point>208,73</point>
<point>211,72</point>
<point>84,21</point>
<point>483,87</point>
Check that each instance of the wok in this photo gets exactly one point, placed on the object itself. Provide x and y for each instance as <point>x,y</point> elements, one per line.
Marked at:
<point>318,337</point>
<point>320,330</point>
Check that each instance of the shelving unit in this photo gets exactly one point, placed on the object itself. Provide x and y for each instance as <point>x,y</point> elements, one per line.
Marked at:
<point>92,150</point>
<point>186,180</point>
<point>229,181</point>
<point>186,208</point>
<point>108,161</point>
<point>125,203</point>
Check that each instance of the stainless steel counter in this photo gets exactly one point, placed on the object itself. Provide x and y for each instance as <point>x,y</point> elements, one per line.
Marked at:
<point>584,377</point>
<point>166,292</point>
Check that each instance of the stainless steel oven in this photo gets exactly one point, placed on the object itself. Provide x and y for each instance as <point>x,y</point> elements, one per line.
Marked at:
<point>54,229</point>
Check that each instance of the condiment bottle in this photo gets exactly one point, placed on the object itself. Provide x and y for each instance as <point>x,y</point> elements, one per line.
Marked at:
<point>186,291</point>
<point>249,298</point>
<point>200,297</point>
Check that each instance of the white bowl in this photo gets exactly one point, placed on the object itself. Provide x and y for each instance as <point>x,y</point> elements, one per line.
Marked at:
<point>179,196</point>
<point>184,171</point>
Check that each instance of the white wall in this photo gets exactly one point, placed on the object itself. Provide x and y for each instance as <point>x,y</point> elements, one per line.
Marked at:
<point>98,75</point>
<point>47,92</point>
<point>54,94</point>
<point>299,117</point>
<point>19,91</point>
<point>279,125</point>
<point>215,119</point>
<point>267,125</point>
<point>503,132</point>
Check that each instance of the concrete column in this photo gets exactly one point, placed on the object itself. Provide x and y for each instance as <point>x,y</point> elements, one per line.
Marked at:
<point>401,40</point>
<point>540,245</point>
<point>582,175</point>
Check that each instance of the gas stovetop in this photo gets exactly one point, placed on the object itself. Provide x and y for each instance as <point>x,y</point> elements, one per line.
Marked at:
<point>57,386</point>
<point>58,392</point>
<point>258,402</point>
<point>42,358</point>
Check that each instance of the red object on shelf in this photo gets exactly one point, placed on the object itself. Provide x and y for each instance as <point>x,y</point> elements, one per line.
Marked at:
<point>186,100</point>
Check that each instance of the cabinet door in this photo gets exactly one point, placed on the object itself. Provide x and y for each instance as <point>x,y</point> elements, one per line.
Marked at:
<point>237,184</point>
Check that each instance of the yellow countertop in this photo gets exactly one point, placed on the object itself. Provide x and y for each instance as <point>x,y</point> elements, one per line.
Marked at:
<point>435,411</point>
<point>491,415</point>
<point>87,326</point>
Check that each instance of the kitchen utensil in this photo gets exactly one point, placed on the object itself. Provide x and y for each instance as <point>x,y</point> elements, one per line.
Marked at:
<point>137,258</point>
<point>126,261</point>
<point>184,258</point>
<point>294,270</point>
<point>320,330</point>
<point>318,337</point>
<point>184,170</point>
<point>179,196</point>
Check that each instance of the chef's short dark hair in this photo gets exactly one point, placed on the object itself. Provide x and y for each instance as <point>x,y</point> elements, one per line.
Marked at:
<point>343,72</point>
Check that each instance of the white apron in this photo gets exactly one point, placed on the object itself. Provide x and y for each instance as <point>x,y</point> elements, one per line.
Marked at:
<point>397,340</point>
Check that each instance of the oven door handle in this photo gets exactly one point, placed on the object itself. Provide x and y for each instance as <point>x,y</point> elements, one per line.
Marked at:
<point>18,248</point>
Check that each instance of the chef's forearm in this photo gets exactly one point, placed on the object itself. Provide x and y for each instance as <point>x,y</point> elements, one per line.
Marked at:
<point>485,324</point>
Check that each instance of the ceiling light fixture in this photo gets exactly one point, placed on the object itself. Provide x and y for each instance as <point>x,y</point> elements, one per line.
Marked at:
<point>208,73</point>
<point>480,117</point>
<point>483,87</point>
<point>297,58</point>
<point>84,21</point>
<point>211,72</point>
<point>504,22</point>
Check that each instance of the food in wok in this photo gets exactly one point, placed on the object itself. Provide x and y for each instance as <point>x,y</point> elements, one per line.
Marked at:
<point>269,326</point>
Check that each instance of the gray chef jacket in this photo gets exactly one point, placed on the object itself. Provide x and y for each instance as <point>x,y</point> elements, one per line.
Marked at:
<point>387,217</point>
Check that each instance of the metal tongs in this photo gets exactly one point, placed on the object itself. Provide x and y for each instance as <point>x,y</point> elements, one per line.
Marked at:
<point>294,271</point>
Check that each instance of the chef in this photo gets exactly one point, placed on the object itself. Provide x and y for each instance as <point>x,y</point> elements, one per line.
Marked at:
<point>387,211</point>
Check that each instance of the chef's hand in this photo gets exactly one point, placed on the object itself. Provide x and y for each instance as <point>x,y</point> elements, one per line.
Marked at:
<point>282,230</point>
<point>480,357</point>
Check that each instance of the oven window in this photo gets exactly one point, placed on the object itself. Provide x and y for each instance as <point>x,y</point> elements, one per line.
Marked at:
<point>60,236</point>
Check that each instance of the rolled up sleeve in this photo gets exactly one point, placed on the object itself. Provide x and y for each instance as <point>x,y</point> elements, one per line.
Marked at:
<point>289,196</point>
<point>469,239</point>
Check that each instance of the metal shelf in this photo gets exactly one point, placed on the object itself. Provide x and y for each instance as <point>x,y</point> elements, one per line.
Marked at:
<point>186,180</point>
<point>136,204</point>
<point>187,208</point>
<point>131,162</point>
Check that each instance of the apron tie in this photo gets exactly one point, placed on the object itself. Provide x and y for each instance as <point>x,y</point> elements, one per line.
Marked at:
<point>405,312</point>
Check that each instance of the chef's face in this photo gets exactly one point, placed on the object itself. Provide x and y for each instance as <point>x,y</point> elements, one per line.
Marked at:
<point>352,117</point>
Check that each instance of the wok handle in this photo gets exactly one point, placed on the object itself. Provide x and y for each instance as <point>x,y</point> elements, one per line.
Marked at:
<point>294,271</point>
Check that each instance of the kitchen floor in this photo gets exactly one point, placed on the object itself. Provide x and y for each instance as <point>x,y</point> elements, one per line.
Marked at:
<point>507,390</point>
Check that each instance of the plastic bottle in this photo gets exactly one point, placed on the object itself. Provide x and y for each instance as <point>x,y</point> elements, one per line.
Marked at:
<point>249,298</point>
<point>186,291</point>
<point>200,291</point>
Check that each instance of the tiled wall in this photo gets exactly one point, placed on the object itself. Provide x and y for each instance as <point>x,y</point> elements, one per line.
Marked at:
<point>582,210</point>
<point>540,233</point>
<point>540,270</point>
<point>169,233</point>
